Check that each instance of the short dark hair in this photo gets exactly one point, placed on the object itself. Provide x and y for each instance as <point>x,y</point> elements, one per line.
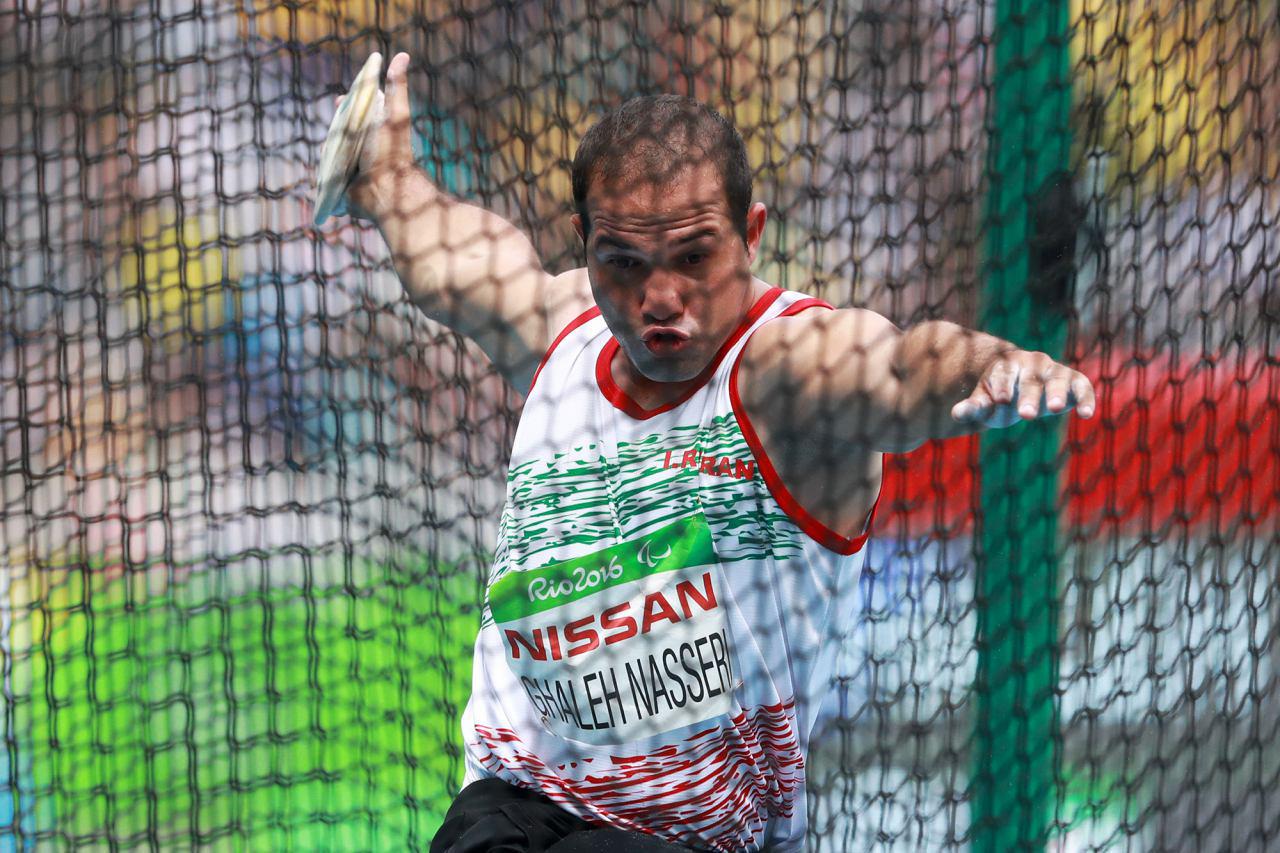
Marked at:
<point>656,136</point>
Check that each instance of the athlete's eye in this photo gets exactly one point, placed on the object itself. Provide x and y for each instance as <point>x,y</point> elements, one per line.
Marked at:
<point>694,258</point>
<point>622,262</point>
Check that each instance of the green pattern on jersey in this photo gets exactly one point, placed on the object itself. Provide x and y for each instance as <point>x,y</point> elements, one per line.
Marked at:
<point>581,496</point>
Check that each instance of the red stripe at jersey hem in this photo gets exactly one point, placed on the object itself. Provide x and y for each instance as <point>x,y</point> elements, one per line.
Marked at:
<point>590,314</point>
<point>624,402</point>
<point>810,526</point>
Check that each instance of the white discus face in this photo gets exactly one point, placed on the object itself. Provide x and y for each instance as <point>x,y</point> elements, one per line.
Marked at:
<point>358,112</point>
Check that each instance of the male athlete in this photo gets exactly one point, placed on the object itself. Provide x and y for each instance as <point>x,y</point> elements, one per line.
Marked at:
<point>691,483</point>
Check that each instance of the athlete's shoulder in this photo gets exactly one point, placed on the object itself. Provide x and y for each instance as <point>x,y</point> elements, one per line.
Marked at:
<point>569,306</point>
<point>811,351</point>
<point>810,332</point>
<point>568,298</point>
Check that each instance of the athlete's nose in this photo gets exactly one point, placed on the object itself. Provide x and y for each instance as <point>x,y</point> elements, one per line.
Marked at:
<point>662,301</point>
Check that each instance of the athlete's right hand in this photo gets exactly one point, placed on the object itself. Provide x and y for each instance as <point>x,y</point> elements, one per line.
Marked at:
<point>387,167</point>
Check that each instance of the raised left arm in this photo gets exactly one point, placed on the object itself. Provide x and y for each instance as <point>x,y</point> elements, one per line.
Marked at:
<point>853,379</point>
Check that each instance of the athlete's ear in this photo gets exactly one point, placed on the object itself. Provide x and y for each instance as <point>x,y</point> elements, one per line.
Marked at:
<point>576,219</point>
<point>756,217</point>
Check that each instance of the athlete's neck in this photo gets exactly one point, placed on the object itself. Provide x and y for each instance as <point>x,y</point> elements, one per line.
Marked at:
<point>648,393</point>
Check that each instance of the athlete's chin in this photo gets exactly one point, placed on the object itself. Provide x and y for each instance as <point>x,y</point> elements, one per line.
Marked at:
<point>670,368</point>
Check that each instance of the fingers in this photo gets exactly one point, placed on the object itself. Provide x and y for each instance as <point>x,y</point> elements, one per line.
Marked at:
<point>397,99</point>
<point>1056,390</point>
<point>1002,381</point>
<point>1033,383</point>
<point>1025,386</point>
<point>1030,395</point>
<point>1082,390</point>
<point>996,388</point>
<point>388,150</point>
<point>1065,388</point>
<point>398,70</point>
<point>975,407</point>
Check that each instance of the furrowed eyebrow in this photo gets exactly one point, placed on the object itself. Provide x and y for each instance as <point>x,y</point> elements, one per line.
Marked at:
<point>603,242</point>
<point>700,234</point>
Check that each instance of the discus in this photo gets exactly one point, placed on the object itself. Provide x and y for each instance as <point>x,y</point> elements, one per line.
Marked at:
<point>340,156</point>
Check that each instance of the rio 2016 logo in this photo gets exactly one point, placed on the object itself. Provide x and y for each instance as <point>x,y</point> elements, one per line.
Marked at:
<point>540,589</point>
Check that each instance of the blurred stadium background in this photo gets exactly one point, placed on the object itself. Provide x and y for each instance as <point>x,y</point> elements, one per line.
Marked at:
<point>246,490</point>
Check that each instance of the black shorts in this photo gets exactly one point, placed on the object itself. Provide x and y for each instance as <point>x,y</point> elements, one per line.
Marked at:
<point>492,815</point>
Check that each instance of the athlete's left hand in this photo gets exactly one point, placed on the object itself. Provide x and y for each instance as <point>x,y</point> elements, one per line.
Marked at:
<point>1025,385</point>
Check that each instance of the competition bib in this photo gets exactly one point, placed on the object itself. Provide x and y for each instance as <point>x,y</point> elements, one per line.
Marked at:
<point>623,643</point>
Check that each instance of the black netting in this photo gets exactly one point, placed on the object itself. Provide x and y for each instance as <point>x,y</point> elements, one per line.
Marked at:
<point>249,493</point>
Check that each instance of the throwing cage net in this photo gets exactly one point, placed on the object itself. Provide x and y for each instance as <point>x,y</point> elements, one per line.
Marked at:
<point>248,493</point>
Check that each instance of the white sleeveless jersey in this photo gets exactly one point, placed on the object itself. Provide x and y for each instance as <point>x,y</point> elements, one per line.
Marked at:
<point>662,617</point>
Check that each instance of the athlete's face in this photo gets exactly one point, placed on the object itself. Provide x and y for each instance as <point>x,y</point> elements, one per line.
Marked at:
<point>670,273</point>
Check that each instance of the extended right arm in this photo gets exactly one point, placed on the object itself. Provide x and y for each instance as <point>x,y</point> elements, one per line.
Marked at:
<point>464,266</point>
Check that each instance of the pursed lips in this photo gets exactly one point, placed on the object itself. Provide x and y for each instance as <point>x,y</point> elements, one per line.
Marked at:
<point>664,332</point>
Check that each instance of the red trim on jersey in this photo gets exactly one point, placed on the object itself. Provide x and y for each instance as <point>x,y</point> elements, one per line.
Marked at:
<point>814,529</point>
<point>623,401</point>
<point>590,314</point>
